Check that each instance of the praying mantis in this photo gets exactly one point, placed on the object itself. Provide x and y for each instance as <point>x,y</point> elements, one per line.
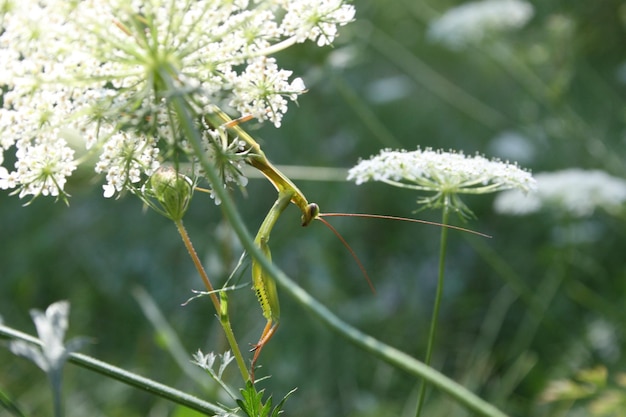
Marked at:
<point>262,284</point>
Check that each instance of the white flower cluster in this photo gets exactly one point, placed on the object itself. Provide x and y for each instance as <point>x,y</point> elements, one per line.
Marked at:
<point>101,68</point>
<point>446,172</point>
<point>573,192</point>
<point>473,21</point>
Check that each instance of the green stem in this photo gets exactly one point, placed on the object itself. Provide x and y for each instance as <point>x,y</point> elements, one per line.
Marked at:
<point>436,306</point>
<point>222,311</point>
<point>378,349</point>
<point>54,375</point>
<point>129,378</point>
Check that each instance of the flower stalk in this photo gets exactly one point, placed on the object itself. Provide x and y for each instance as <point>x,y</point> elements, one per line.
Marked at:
<point>437,304</point>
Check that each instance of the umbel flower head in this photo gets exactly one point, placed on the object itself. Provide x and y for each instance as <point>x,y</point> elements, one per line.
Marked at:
<point>572,192</point>
<point>108,69</point>
<point>446,174</point>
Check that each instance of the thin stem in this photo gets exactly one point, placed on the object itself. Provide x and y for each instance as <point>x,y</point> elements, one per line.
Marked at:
<point>378,349</point>
<point>437,305</point>
<point>222,311</point>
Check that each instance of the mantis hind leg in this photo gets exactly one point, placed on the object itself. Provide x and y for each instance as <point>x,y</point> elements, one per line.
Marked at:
<point>263,285</point>
<point>268,333</point>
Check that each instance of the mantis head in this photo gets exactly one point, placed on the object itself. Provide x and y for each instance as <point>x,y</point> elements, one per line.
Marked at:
<point>311,213</point>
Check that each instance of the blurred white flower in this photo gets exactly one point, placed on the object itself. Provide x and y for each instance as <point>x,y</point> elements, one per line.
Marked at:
<point>447,174</point>
<point>602,336</point>
<point>384,90</point>
<point>472,22</point>
<point>572,192</point>
<point>51,327</point>
<point>106,68</point>
<point>52,353</point>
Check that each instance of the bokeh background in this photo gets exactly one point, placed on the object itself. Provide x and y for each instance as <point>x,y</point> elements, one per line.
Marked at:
<point>539,301</point>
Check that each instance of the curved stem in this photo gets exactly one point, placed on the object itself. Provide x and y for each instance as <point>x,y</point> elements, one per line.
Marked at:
<point>436,306</point>
<point>220,308</point>
<point>378,349</point>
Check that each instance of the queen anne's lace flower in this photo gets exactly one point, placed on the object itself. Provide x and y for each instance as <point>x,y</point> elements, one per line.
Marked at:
<point>447,174</point>
<point>105,69</point>
<point>471,22</point>
<point>438,170</point>
<point>573,192</point>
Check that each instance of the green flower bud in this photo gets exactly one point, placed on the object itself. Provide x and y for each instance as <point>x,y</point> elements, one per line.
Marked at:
<point>172,190</point>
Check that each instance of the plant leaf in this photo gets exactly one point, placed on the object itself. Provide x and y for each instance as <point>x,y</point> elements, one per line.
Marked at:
<point>279,408</point>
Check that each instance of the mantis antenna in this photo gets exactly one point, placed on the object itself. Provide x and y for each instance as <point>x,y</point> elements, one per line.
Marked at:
<point>262,284</point>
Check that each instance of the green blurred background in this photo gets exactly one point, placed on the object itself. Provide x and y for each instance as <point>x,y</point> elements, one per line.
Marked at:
<point>535,303</point>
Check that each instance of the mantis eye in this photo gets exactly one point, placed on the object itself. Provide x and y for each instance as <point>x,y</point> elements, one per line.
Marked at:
<point>312,211</point>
